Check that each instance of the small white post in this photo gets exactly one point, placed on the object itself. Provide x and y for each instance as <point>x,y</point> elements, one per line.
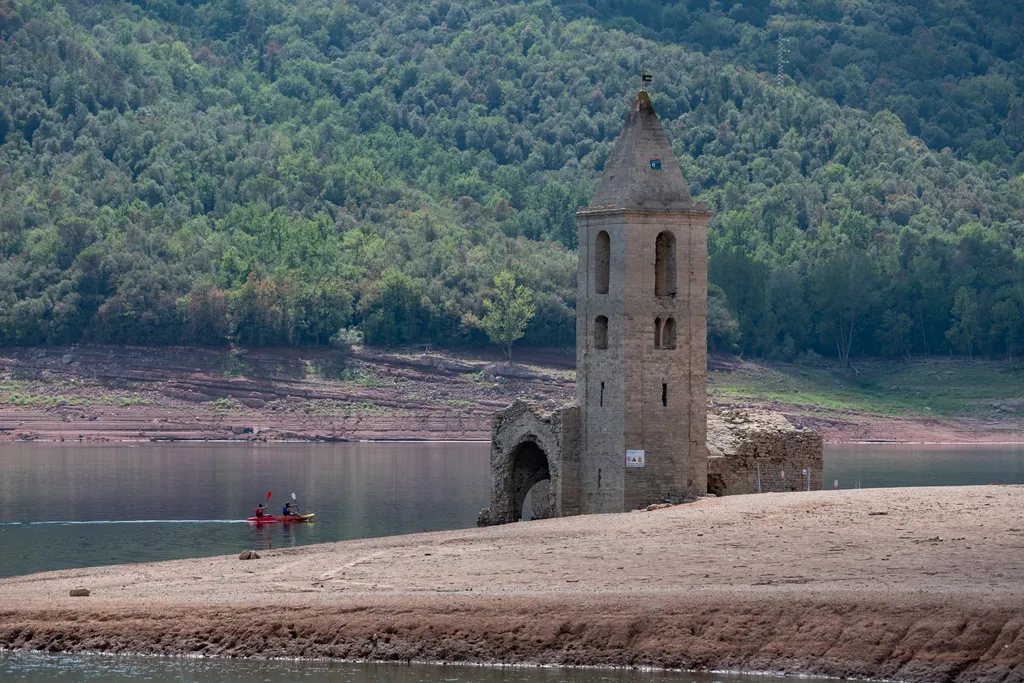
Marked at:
<point>758,477</point>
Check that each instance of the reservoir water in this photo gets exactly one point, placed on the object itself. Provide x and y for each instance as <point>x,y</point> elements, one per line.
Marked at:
<point>37,668</point>
<point>65,506</point>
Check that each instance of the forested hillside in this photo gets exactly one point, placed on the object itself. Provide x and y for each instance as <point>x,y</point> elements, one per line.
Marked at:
<point>286,172</point>
<point>952,70</point>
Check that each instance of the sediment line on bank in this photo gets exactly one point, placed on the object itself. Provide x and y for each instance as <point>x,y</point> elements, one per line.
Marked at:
<point>930,640</point>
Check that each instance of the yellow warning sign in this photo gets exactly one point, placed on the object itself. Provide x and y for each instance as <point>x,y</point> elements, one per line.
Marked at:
<point>634,458</point>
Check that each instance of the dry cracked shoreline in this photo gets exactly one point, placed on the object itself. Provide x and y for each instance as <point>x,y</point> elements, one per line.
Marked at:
<point>907,584</point>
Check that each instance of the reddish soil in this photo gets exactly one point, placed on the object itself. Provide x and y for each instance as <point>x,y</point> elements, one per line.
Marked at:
<point>128,394</point>
<point>106,393</point>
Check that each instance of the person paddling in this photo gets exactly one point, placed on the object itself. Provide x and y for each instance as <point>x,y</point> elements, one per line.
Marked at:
<point>261,510</point>
<point>290,510</point>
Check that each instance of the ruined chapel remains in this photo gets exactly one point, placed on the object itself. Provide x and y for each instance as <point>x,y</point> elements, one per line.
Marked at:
<point>637,432</point>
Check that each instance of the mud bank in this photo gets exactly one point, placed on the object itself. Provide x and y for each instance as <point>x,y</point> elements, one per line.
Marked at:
<point>101,393</point>
<point>909,584</point>
<point>926,640</point>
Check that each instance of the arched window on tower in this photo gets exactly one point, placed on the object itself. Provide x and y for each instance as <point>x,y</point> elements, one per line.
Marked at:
<point>657,333</point>
<point>665,264</point>
<point>668,334</point>
<point>601,332</point>
<point>602,262</point>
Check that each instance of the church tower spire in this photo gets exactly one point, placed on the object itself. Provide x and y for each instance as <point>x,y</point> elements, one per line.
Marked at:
<point>642,172</point>
<point>641,326</point>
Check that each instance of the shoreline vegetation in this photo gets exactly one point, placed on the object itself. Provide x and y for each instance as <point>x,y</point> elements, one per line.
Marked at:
<point>900,584</point>
<point>111,394</point>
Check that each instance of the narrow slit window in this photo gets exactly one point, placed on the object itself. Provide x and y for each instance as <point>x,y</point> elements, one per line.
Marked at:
<point>668,334</point>
<point>664,395</point>
<point>601,332</point>
<point>602,262</point>
<point>665,264</point>
<point>657,333</point>
<point>602,395</point>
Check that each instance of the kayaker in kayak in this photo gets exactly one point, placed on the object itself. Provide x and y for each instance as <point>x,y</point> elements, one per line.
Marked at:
<point>261,510</point>
<point>289,510</point>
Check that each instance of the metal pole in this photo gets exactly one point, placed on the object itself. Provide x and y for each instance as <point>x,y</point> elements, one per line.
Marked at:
<point>759,477</point>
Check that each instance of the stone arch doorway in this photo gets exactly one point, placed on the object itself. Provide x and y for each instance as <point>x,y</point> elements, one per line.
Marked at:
<point>533,452</point>
<point>529,467</point>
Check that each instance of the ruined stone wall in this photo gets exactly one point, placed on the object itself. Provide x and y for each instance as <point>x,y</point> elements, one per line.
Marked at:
<point>760,451</point>
<point>520,430</point>
<point>748,452</point>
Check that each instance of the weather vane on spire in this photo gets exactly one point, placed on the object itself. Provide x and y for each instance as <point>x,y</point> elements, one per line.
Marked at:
<point>645,78</point>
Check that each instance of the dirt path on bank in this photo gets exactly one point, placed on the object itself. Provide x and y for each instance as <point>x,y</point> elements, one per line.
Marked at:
<point>914,584</point>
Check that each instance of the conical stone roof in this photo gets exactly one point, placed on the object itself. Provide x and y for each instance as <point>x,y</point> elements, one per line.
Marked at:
<point>642,173</point>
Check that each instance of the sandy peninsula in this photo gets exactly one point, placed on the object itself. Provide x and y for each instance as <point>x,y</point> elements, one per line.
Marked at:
<point>911,584</point>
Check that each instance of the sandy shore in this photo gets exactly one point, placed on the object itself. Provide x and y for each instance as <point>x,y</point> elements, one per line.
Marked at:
<point>910,584</point>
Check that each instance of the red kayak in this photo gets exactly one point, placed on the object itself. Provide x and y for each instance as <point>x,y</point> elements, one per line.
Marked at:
<point>269,519</point>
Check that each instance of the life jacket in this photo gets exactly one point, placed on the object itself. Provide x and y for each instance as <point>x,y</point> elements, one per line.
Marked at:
<point>286,510</point>
<point>259,511</point>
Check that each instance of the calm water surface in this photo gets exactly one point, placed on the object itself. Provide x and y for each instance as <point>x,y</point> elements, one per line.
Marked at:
<point>75,506</point>
<point>887,465</point>
<point>64,506</point>
<point>36,668</point>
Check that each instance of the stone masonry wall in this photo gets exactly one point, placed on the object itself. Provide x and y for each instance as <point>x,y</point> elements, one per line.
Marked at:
<point>525,425</point>
<point>748,452</point>
<point>600,372</point>
<point>666,388</point>
<point>632,395</point>
<point>759,452</point>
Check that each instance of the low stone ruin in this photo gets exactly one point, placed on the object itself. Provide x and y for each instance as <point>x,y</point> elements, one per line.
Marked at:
<point>757,451</point>
<point>535,450</point>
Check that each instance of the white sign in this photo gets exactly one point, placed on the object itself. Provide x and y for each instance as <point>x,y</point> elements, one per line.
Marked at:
<point>634,458</point>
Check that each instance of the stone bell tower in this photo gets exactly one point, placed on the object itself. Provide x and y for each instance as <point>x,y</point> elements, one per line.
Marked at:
<point>641,327</point>
<point>637,432</point>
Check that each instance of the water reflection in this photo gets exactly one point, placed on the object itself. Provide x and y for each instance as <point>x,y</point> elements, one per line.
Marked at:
<point>36,668</point>
<point>889,465</point>
<point>271,536</point>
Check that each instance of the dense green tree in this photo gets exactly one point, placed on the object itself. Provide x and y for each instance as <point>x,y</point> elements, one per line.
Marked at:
<point>894,334</point>
<point>394,311</point>
<point>965,332</point>
<point>508,311</point>
<point>723,331</point>
<point>951,71</point>
<point>205,313</point>
<point>842,289</point>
